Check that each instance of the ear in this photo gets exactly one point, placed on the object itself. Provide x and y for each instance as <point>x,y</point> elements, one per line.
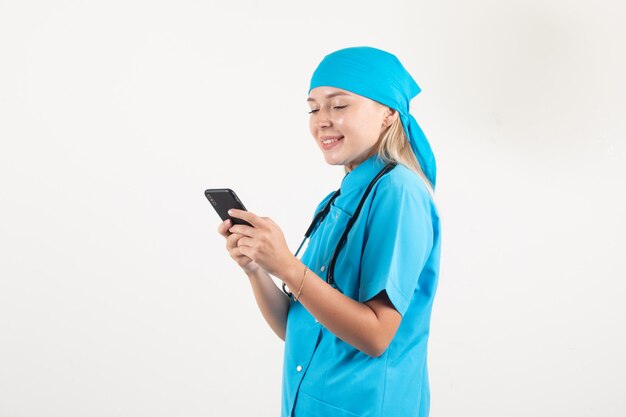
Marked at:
<point>390,116</point>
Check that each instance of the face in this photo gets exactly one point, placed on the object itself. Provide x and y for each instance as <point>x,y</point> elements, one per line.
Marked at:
<point>356,121</point>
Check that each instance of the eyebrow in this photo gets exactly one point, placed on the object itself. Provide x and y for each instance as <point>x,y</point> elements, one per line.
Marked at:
<point>338,93</point>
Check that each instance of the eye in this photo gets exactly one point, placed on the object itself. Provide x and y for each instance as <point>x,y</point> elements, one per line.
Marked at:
<point>332,107</point>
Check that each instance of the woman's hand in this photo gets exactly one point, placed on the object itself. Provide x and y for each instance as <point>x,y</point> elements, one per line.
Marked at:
<point>264,243</point>
<point>247,264</point>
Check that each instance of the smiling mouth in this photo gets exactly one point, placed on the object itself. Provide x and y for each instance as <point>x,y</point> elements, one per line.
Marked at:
<point>329,143</point>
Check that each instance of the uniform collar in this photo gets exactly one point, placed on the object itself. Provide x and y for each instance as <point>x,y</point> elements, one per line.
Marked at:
<point>362,175</point>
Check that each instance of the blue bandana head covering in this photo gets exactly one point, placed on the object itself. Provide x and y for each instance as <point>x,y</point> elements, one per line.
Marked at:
<point>378,75</point>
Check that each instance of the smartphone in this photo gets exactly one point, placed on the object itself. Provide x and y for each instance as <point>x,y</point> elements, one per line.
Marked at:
<point>224,199</point>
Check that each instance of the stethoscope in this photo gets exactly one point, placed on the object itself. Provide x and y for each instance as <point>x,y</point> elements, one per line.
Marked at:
<point>319,217</point>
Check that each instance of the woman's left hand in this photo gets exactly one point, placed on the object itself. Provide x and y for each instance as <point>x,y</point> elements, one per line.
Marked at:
<point>264,243</point>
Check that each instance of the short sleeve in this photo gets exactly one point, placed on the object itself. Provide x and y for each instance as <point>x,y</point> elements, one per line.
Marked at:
<point>397,241</point>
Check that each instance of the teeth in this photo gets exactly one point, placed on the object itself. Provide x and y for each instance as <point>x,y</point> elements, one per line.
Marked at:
<point>326,142</point>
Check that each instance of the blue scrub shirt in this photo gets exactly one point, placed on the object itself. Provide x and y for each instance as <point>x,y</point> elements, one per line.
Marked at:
<point>393,246</point>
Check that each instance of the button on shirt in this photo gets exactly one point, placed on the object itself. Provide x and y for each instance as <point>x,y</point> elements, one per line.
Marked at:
<point>394,246</point>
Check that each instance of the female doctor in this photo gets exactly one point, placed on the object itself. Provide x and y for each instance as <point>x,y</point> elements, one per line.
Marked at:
<point>356,317</point>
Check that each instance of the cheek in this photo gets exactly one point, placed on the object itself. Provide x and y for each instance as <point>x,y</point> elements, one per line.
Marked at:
<point>339,123</point>
<point>363,129</point>
<point>372,127</point>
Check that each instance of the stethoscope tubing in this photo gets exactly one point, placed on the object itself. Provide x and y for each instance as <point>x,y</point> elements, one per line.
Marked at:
<point>321,215</point>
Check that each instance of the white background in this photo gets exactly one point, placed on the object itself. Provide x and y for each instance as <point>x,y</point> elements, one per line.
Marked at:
<point>117,297</point>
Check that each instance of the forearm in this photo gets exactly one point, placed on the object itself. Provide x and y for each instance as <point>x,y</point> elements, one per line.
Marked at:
<point>353,322</point>
<point>272,301</point>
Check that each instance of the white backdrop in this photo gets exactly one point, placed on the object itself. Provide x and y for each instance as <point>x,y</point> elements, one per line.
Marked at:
<point>117,297</point>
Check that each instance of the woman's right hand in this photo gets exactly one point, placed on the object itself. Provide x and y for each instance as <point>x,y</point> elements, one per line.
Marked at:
<point>247,264</point>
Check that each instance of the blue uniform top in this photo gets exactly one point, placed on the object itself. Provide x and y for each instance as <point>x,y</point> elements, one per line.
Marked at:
<point>393,246</point>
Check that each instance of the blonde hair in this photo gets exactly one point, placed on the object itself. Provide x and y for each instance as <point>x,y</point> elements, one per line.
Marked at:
<point>393,146</point>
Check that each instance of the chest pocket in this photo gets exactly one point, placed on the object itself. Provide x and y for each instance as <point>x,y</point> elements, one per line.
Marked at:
<point>327,235</point>
<point>325,240</point>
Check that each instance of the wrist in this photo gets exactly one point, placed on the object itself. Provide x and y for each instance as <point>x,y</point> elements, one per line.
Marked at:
<point>253,271</point>
<point>292,273</point>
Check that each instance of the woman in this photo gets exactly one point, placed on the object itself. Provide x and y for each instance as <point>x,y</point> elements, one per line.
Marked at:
<point>356,318</point>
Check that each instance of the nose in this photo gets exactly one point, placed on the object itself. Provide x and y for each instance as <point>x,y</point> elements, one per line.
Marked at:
<point>322,118</point>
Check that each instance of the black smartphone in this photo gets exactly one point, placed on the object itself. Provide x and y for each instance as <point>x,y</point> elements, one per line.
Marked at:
<point>224,199</point>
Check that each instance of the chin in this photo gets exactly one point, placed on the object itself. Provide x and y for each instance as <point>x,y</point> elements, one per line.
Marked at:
<point>332,161</point>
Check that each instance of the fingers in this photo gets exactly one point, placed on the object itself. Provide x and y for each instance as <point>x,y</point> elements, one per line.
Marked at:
<point>222,229</point>
<point>243,229</point>
<point>232,240</point>
<point>244,241</point>
<point>231,245</point>
<point>251,218</point>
